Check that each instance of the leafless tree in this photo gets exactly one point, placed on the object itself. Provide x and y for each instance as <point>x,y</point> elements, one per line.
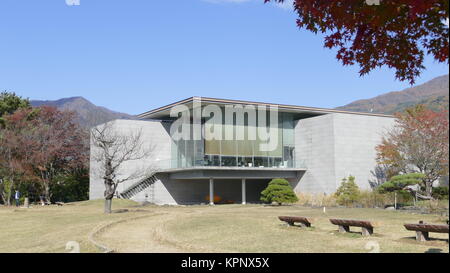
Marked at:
<point>379,177</point>
<point>114,148</point>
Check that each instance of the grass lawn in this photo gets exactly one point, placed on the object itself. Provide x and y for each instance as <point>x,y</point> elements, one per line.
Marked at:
<point>223,228</point>
<point>48,229</point>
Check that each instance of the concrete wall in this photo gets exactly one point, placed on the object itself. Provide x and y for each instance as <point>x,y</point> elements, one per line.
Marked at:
<point>335,146</point>
<point>314,146</point>
<point>355,140</point>
<point>154,134</point>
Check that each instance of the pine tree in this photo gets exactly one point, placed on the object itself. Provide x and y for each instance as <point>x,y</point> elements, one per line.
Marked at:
<point>348,193</point>
<point>279,191</point>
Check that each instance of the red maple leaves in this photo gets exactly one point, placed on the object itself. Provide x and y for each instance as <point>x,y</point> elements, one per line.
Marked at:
<point>418,143</point>
<point>36,144</point>
<point>396,33</point>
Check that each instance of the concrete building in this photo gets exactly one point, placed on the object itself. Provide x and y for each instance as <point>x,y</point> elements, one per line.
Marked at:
<point>316,148</point>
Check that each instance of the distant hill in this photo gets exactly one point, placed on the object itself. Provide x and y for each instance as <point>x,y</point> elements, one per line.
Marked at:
<point>88,114</point>
<point>433,93</point>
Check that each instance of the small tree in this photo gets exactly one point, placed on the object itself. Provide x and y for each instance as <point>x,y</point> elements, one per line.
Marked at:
<point>399,183</point>
<point>61,147</point>
<point>279,191</point>
<point>6,191</point>
<point>348,193</point>
<point>113,149</point>
<point>15,151</point>
<point>10,102</point>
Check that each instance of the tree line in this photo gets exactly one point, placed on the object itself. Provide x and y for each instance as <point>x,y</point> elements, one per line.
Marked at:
<point>44,153</point>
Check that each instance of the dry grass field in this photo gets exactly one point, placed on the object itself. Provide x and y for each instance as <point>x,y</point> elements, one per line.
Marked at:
<point>223,228</point>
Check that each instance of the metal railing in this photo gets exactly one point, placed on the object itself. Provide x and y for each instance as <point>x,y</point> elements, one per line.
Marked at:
<point>137,187</point>
<point>180,164</point>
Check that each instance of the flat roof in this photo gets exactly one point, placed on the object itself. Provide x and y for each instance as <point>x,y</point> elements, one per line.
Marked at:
<point>164,112</point>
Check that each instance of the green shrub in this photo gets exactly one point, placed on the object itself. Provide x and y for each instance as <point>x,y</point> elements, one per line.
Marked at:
<point>71,188</point>
<point>348,194</point>
<point>440,193</point>
<point>279,191</point>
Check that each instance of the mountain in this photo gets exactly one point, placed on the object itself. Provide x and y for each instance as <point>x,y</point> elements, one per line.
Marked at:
<point>433,93</point>
<point>88,114</point>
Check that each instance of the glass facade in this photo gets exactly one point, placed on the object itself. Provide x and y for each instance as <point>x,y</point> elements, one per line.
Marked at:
<point>244,151</point>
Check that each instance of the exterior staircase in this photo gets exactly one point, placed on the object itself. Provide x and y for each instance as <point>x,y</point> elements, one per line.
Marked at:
<point>136,188</point>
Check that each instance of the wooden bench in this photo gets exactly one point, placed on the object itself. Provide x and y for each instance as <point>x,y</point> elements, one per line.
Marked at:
<point>423,229</point>
<point>345,224</point>
<point>291,220</point>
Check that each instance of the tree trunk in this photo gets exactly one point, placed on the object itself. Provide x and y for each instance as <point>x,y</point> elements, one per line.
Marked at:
<point>8,199</point>
<point>45,175</point>
<point>429,188</point>
<point>47,193</point>
<point>9,193</point>
<point>3,191</point>
<point>395,200</point>
<point>108,206</point>
<point>110,188</point>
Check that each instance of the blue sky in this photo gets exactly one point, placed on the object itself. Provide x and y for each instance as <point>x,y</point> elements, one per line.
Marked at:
<point>135,55</point>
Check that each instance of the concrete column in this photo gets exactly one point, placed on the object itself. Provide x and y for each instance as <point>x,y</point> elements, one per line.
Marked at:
<point>344,229</point>
<point>367,231</point>
<point>211,191</point>
<point>244,194</point>
<point>422,236</point>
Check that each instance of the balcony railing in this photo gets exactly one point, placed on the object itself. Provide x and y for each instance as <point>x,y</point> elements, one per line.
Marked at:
<point>207,162</point>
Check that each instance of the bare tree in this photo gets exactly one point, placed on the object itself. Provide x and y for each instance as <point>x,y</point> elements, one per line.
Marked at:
<point>114,149</point>
<point>380,176</point>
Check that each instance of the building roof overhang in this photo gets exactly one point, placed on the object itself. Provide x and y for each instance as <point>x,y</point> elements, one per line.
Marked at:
<point>163,113</point>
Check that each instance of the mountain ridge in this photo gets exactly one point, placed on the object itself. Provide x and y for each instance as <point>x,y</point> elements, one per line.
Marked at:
<point>433,93</point>
<point>88,114</point>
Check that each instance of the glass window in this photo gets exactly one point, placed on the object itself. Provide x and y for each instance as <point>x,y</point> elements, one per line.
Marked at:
<point>245,161</point>
<point>261,161</point>
<point>228,161</point>
<point>243,152</point>
<point>212,160</point>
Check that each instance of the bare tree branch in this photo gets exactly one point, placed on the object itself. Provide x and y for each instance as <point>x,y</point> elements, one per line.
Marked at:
<point>115,149</point>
